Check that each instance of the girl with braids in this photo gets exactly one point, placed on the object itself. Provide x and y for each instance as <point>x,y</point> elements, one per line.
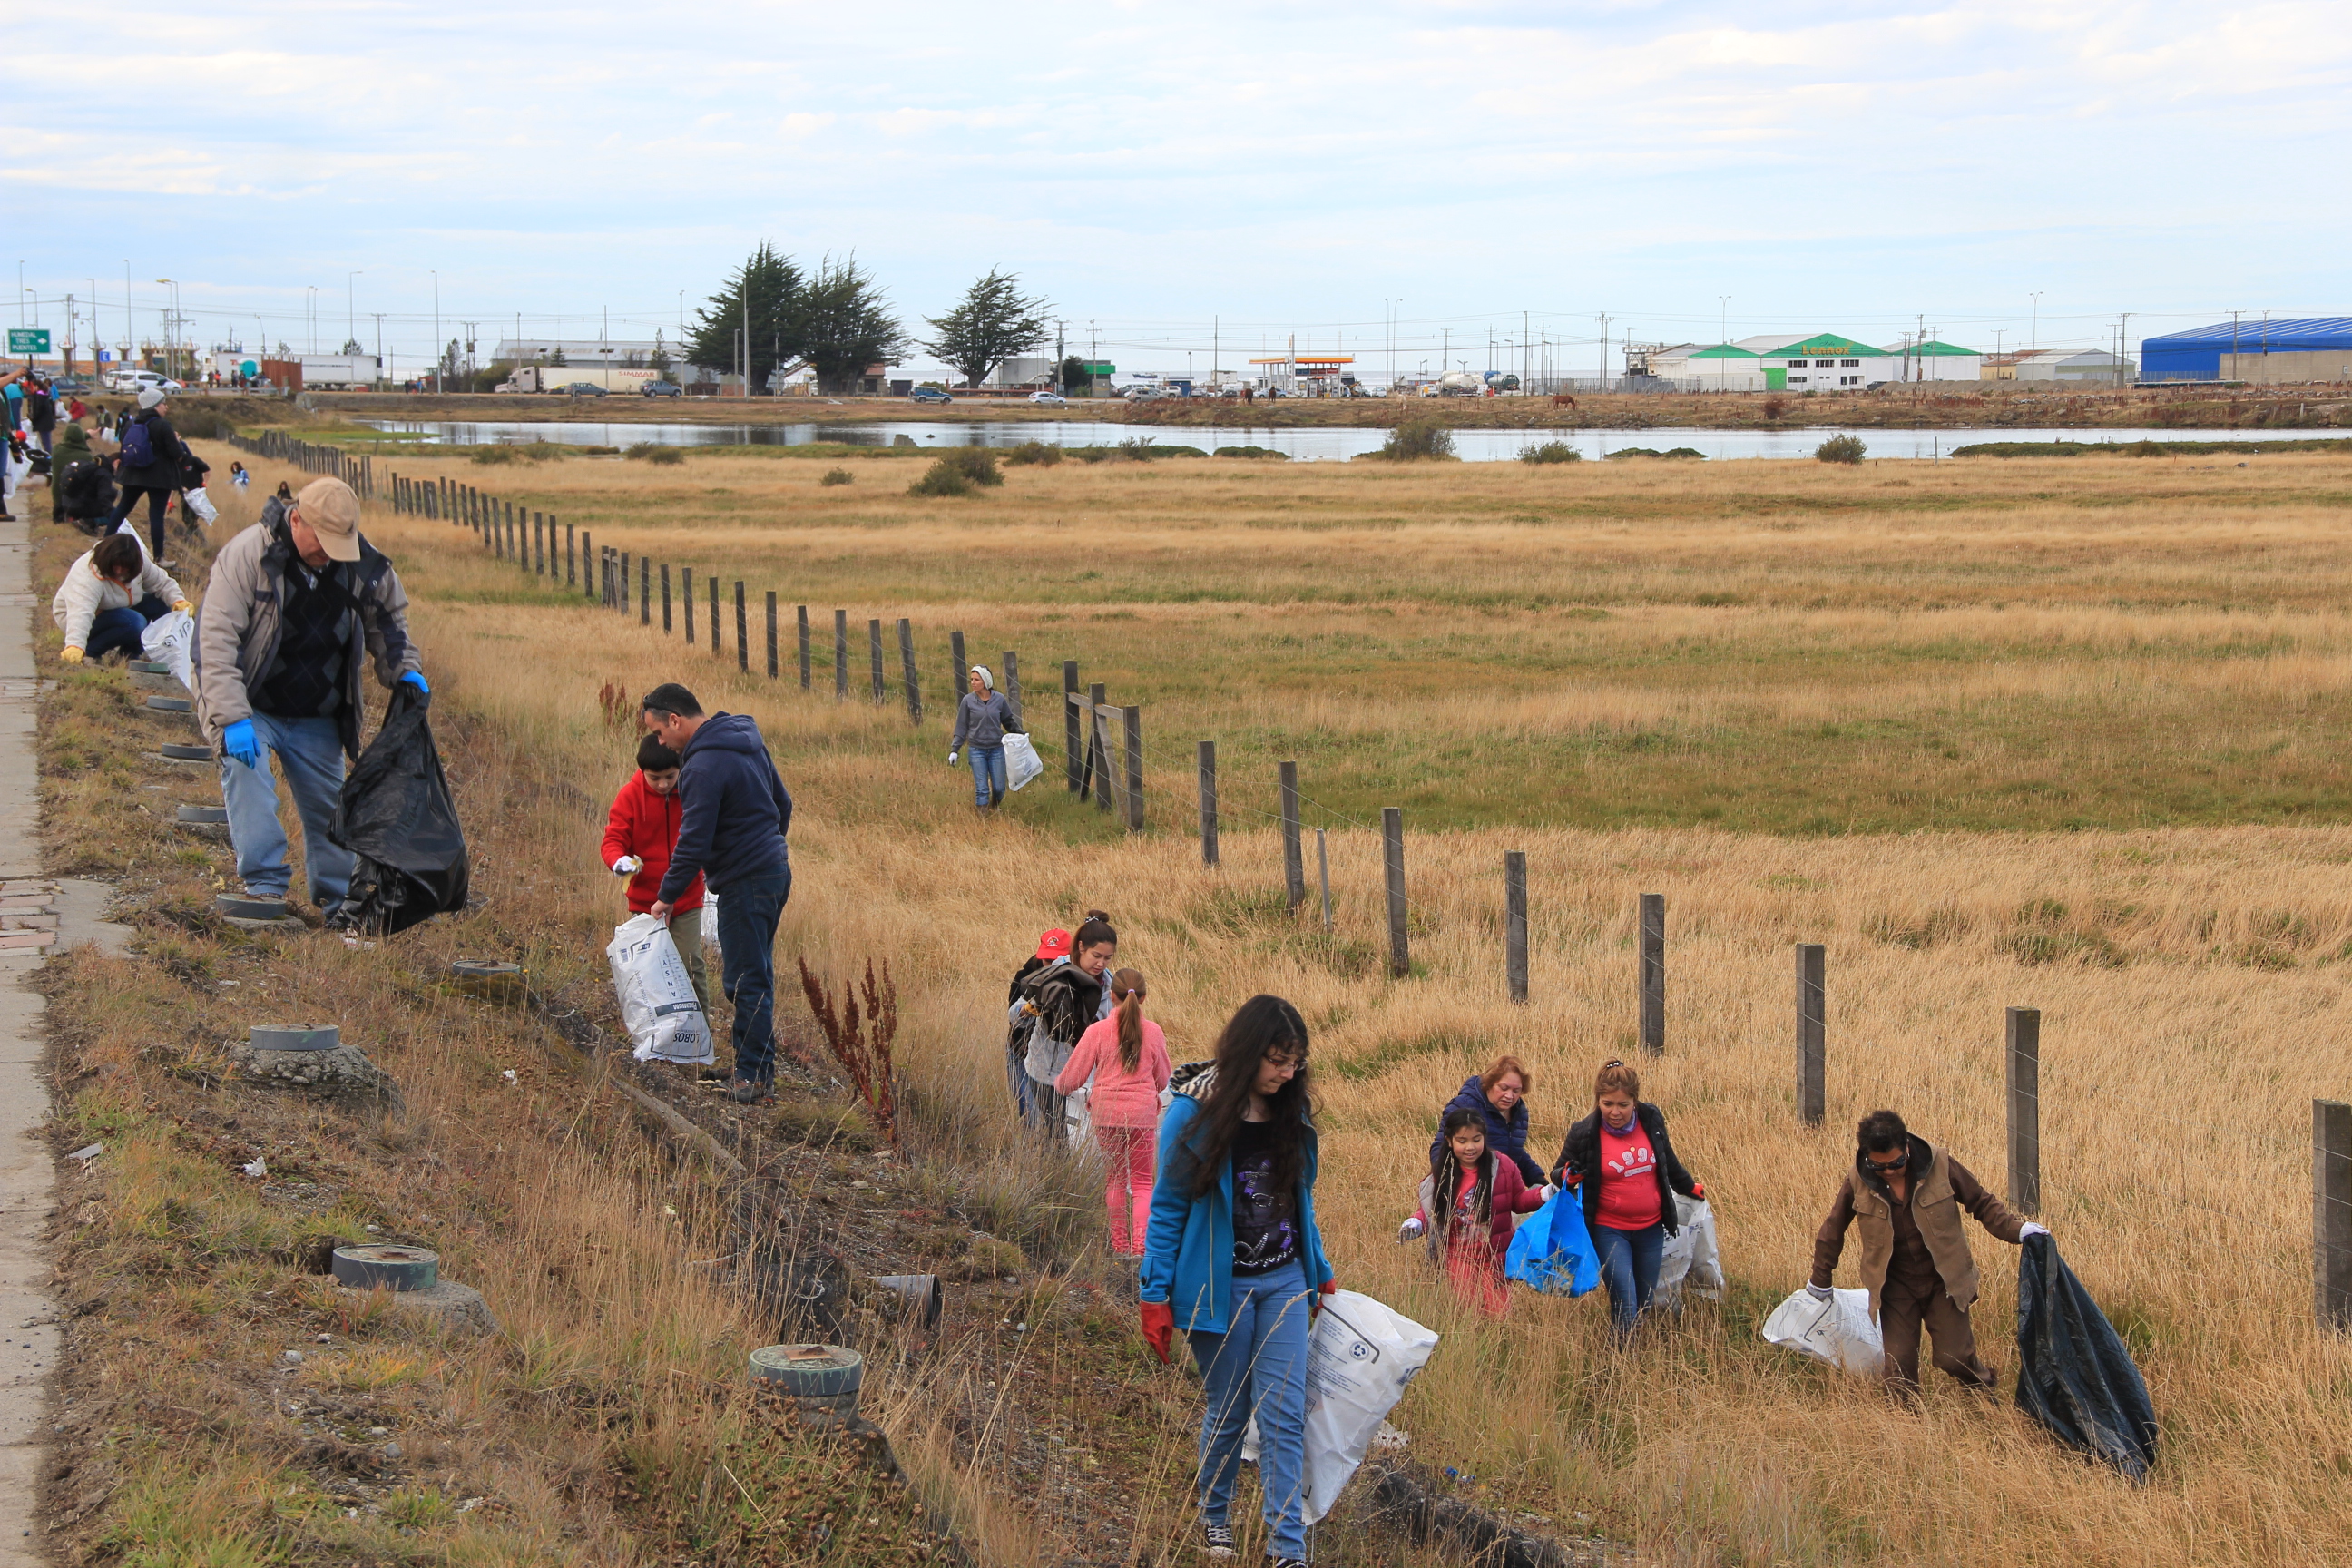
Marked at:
<point>1126,1056</point>
<point>1234,1257</point>
<point>1466,1203</point>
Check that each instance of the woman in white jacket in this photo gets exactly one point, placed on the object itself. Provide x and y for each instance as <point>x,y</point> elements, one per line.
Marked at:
<point>110,595</point>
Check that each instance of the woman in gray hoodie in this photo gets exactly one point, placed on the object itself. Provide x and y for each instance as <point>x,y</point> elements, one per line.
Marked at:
<point>982,720</point>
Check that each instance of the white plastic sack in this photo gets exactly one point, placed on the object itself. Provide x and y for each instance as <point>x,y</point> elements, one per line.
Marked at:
<point>1360,1357</point>
<point>1075,1120</point>
<point>1021,763</point>
<point>709,920</point>
<point>1838,1333</point>
<point>201,504</point>
<point>172,639</point>
<point>1690,1258</point>
<point>658,1001</point>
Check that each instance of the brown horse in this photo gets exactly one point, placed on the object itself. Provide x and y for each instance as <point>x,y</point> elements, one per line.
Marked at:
<point>1563,400</point>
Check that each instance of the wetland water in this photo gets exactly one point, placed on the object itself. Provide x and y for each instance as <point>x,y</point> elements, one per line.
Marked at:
<point>1314,445</point>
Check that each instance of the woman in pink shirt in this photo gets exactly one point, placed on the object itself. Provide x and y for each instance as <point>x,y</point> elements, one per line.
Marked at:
<point>1126,1056</point>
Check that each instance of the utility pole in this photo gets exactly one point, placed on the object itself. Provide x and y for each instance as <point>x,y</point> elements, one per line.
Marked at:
<point>350,314</point>
<point>1061,382</point>
<point>1527,354</point>
<point>2035,346</point>
<point>1604,351</point>
<point>379,343</point>
<point>2123,342</point>
<point>439,385</point>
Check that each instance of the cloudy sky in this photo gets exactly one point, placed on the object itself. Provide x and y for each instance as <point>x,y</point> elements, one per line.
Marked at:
<point>1178,175</point>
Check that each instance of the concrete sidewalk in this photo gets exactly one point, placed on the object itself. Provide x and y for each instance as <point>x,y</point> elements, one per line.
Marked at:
<point>37,915</point>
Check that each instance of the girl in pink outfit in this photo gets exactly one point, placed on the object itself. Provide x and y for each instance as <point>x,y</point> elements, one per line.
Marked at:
<point>1127,1055</point>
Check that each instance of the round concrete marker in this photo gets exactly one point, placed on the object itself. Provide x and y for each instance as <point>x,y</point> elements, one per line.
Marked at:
<point>169,704</point>
<point>822,1379</point>
<point>401,1268</point>
<point>180,753</point>
<point>491,979</point>
<point>202,813</point>
<point>149,666</point>
<point>295,1036</point>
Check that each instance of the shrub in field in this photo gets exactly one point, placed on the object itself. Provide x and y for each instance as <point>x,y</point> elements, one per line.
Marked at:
<point>1043,452</point>
<point>495,455</point>
<point>1774,405</point>
<point>1841,449</point>
<point>1551,452</point>
<point>1251,452</point>
<point>655,452</point>
<point>863,1053</point>
<point>957,471</point>
<point>1416,440</point>
<point>836,476</point>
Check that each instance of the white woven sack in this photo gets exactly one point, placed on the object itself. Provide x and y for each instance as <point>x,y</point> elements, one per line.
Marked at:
<point>657,1003</point>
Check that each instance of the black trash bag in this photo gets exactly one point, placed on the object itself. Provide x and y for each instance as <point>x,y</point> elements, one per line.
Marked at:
<point>397,817</point>
<point>2075,1375</point>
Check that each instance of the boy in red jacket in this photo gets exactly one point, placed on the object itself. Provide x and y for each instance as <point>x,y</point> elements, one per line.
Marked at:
<point>638,838</point>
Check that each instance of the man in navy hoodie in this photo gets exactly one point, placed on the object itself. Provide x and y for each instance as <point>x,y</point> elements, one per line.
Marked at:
<point>733,815</point>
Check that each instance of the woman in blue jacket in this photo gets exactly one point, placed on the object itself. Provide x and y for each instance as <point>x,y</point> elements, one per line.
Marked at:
<point>1232,1255</point>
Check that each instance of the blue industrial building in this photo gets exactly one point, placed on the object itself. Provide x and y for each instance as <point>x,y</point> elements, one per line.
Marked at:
<point>2312,348</point>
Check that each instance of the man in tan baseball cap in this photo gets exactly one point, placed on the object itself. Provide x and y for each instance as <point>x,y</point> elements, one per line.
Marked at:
<point>298,607</point>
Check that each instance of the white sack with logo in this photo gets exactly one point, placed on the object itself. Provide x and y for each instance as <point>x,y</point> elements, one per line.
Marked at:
<point>171,639</point>
<point>1360,1357</point>
<point>1836,1333</point>
<point>657,994</point>
<point>1021,763</point>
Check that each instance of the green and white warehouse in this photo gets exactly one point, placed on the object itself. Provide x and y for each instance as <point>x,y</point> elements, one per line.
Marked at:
<point>1823,361</point>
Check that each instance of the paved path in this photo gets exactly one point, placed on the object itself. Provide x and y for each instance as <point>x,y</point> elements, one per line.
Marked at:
<point>36,915</point>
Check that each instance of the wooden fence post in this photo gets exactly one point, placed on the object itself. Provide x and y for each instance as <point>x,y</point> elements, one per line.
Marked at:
<point>718,626</point>
<point>742,633</point>
<point>1100,766</point>
<point>570,571</point>
<point>2025,1110</point>
<point>841,656</point>
<point>588,570</point>
<point>771,633</point>
<point>1812,1033</point>
<point>1323,875</point>
<point>1294,863</point>
<point>685,595</point>
<point>874,648</point>
<point>1133,721</point>
<point>805,647</point>
<point>1072,737</point>
<point>1208,753</point>
<point>2331,1212</point>
<point>665,583</point>
<point>1011,684</point>
<point>1392,857</point>
<point>1514,922</point>
<point>624,605</point>
<point>958,672</point>
<point>907,670</point>
<point>644,590</point>
<point>1653,972</point>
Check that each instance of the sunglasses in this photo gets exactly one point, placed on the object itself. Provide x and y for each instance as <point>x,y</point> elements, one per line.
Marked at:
<point>1896,1163</point>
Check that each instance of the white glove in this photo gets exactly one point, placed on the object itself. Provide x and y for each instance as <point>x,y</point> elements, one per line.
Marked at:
<point>2030,1229</point>
<point>1818,1292</point>
<point>1409,1230</point>
<point>951,759</point>
<point>1547,1192</point>
<point>627,866</point>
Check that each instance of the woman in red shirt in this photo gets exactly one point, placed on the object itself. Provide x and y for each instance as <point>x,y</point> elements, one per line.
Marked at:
<point>1467,1202</point>
<point>1622,1165</point>
<point>640,831</point>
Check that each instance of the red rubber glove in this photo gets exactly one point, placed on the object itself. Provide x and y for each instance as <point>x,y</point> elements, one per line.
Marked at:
<point>1159,1328</point>
<point>1698,1191</point>
<point>1315,1302</point>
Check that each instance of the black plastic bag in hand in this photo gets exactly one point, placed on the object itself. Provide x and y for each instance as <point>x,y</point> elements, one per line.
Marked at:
<point>397,817</point>
<point>2075,1375</point>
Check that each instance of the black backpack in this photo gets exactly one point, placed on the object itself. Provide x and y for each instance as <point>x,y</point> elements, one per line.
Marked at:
<point>138,443</point>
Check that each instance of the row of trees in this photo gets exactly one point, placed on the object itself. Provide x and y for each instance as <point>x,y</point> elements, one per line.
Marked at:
<point>773,315</point>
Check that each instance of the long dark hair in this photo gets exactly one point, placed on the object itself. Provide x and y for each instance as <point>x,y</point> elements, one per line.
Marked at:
<point>1445,1171</point>
<point>1261,1026</point>
<point>1126,990</point>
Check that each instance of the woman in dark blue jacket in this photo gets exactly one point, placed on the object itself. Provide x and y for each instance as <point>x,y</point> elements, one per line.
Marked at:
<point>1499,1095</point>
<point>1232,1255</point>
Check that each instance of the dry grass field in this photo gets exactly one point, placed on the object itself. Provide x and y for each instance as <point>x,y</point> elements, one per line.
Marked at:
<point>2063,735</point>
<point>2015,734</point>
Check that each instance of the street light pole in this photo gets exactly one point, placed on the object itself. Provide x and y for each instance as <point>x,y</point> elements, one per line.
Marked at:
<point>437,387</point>
<point>351,316</point>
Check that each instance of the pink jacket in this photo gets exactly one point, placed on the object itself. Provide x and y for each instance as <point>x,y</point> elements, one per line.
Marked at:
<point>1121,1099</point>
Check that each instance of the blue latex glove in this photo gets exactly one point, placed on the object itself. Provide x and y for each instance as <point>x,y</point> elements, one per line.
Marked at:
<point>238,742</point>
<point>416,679</point>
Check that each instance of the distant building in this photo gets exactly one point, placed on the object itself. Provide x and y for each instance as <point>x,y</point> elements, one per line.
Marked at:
<point>1933,361</point>
<point>1021,372</point>
<point>2056,364</point>
<point>591,353</point>
<point>2310,348</point>
<point>1821,362</point>
<point>1711,367</point>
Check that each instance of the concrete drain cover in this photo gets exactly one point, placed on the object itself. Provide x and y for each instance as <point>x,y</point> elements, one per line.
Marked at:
<point>398,1267</point>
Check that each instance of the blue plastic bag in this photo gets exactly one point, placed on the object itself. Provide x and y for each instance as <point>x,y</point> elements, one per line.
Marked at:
<point>1552,1252</point>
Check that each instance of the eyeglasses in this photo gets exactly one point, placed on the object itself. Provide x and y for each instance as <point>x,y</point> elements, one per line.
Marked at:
<point>1896,1163</point>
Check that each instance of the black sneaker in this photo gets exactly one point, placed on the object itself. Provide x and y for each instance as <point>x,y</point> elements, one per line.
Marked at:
<point>1216,1540</point>
<point>1288,1562</point>
<point>743,1091</point>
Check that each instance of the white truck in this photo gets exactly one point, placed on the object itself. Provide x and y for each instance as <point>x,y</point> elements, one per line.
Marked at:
<point>328,371</point>
<point>556,377</point>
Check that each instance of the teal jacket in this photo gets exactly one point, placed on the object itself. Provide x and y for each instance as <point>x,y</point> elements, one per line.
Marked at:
<point>1188,1250</point>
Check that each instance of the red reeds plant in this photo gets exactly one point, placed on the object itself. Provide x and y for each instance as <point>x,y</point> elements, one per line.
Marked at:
<point>861,1046</point>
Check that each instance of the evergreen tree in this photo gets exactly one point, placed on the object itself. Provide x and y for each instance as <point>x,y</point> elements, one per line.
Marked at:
<point>764,295</point>
<point>846,325</point>
<point>992,322</point>
<point>659,359</point>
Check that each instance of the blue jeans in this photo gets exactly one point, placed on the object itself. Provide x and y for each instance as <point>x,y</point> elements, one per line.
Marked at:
<point>749,908</point>
<point>987,774</point>
<point>112,631</point>
<point>1629,1267</point>
<point>310,753</point>
<point>1258,1365</point>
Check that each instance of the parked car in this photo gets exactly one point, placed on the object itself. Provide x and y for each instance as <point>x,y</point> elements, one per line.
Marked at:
<point>1054,398</point>
<point>70,388</point>
<point>583,389</point>
<point>928,395</point>
<point>663,389</point>
<point>140,381</point>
